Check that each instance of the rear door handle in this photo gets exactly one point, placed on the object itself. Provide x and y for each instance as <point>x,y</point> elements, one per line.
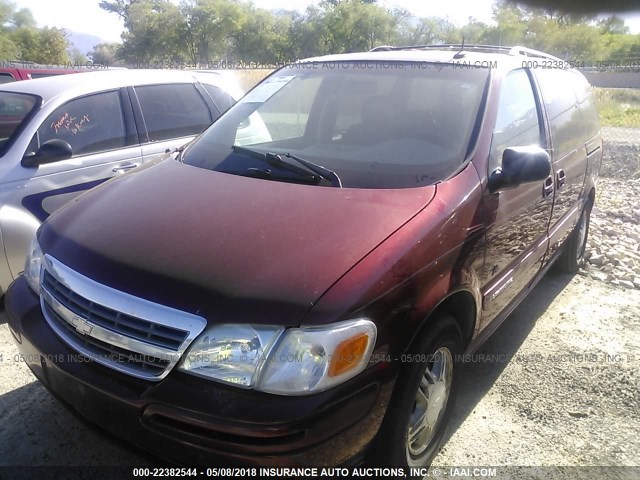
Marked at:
<point>125,167</point>
<point>547,189</point>
<point>561,178</point>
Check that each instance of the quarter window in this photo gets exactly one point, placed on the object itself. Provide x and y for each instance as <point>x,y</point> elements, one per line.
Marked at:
<point>90,124</point>
<point>173,111</point>
<point>222,100</point>
<point>517,123</point>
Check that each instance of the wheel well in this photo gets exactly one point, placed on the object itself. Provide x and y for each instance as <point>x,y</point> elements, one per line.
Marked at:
<point>462,307</point>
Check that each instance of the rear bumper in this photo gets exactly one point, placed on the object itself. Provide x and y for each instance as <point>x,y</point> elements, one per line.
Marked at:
<point>193,421</point>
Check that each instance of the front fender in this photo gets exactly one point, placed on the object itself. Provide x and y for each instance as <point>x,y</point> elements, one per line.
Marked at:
<point>17,229</point>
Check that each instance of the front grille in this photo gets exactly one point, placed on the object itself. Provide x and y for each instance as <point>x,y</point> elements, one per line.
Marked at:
<point>121,331</point>
<point>113,320</point>
<point>154,366</point>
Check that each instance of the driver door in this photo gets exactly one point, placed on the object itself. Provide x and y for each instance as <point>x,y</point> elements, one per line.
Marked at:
<point>518,218</point>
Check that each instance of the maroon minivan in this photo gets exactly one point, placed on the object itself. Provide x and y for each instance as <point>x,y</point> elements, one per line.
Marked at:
<point>299,285</point>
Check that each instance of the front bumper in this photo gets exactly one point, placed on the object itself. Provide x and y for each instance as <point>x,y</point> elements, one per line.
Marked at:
<point>194,421</point>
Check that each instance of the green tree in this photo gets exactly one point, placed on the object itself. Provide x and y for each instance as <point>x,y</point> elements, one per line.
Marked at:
<point>209,26</point>
<point>77,57</point>
<point>264,38</point>
<point>23,18</point>
<point>152,32</point>
<point>9,50</point>
<point>105,54</point>
<point>51,47</point>
<point>353,25</point>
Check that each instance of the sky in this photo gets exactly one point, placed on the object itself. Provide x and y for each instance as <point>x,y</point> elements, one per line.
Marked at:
<point>85,16</point>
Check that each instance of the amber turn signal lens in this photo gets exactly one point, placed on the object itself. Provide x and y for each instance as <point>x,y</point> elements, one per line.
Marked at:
<point>348,354</point>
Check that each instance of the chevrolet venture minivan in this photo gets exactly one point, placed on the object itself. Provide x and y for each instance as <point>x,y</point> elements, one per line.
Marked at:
<point>306,298</point>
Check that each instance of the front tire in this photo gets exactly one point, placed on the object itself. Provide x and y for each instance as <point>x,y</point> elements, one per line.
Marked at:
<point>420,408</point>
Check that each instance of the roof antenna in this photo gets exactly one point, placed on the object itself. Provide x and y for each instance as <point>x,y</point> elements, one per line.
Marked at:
<point>460,54</point>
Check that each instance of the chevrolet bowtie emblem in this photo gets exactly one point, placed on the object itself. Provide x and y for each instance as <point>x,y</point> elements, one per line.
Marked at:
<point>81,325</point>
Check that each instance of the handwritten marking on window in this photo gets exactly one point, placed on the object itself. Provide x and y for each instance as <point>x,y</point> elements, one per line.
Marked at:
<point>68,123</point>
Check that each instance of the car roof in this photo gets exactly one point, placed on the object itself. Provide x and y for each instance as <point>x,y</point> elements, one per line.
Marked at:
<point>86,83</point>
<point>497,59</point>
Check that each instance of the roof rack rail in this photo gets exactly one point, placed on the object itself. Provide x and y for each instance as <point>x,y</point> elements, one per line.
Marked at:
<point>515,51</point>
<point>444,46</point>
<point>530,52</point>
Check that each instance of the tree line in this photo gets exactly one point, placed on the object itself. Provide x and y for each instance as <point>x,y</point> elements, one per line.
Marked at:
<point>20,39</point>
<point>202,32</point>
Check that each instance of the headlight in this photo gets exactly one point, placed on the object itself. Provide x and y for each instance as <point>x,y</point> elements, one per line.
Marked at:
<point>230,353</point>
<point>299,361</point>
<point>33,265</point>
<point>310,360</point>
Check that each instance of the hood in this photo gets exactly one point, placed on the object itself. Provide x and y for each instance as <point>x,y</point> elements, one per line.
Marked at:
<point>229,248</point>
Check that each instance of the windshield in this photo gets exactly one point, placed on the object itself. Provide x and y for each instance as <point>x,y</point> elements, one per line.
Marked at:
<point>14,109</point>
<point>375,124</point>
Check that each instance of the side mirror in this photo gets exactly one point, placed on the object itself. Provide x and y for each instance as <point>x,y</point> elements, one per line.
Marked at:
<point>51,151</point>
<point>520,165</point>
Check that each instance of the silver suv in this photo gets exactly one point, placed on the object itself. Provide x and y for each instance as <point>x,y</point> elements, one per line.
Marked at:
<point>62,136</point>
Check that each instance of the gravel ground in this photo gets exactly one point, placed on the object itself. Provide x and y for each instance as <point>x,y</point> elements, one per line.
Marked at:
<point>558,384</point>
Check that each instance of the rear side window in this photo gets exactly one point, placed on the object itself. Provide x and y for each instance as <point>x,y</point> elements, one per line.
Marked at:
<point>14,110</point>
<point>587,104</point>
<point>43,75</point>
<point>6,78</point>
<point>173,111</point>
<point>517,123</point>
<point>90,124</point>
<point>559,95</point>
<point>222,100</point>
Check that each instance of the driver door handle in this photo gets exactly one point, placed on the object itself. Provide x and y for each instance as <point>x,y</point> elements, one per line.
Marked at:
<point>547,190</point>
<point>561,178</point>
<point>125,167</point>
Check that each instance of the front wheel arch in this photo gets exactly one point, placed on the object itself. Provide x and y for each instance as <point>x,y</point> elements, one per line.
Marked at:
<point>390,447</point>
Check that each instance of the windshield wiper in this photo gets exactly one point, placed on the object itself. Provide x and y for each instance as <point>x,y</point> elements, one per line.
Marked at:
<point>276,159</point>
<point>273,159</point>
<point>324,172</point>
<point>268,175</point>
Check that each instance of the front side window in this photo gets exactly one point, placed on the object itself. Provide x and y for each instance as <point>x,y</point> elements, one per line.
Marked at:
<point>90,124</point>
<point>14,110</point>
<point>517,123</point>
<point>173,111</point>
<point>375,124</point>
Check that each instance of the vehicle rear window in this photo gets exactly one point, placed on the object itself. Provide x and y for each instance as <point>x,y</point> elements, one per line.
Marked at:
<point>376,124</point>
<point>6,78</point>
<point>173,111</point>
<point>14,110</point>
